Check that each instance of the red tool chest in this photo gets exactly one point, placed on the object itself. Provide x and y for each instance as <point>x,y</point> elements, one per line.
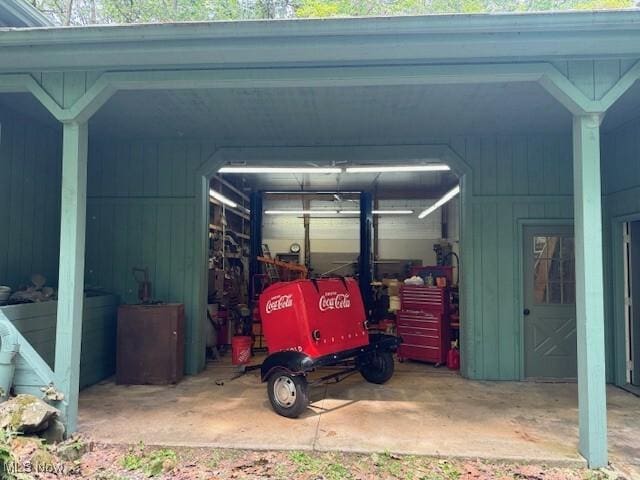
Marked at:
<point>423,323</point>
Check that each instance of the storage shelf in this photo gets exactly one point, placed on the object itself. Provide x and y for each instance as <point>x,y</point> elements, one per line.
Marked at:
<point>218,228</point>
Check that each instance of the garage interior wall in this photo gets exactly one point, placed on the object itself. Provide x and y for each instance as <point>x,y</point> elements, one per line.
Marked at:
<point>399,236</point>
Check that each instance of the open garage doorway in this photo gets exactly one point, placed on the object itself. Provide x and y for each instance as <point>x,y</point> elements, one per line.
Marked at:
<point>309,221</point>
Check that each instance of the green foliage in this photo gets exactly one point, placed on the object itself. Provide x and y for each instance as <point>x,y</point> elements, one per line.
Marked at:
<point>82,12</point>
<point>131,461</point>
<point>160,461</point>
<point>305,462</point>
<point>326,467</point>
<point>6,454</point>
<point>337,471</point>
<point>151,464</point>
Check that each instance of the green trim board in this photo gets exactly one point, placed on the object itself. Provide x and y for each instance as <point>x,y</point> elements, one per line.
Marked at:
<point>589,262</point>
<point>71,270</point>
<point>442,38</point>
<point>75,98</point>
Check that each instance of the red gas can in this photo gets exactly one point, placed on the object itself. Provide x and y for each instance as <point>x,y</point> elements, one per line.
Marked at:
<point>453,359</point>
<point>317,317</point>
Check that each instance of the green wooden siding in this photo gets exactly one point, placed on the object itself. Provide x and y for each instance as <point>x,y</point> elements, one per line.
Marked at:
<point>516,179</point>
<point>37,323</point>
<point>30,172</point>
<point>140,213</point>
<point>66,87</point>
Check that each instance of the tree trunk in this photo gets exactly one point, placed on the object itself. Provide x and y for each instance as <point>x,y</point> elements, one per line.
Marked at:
<point>67,17</point>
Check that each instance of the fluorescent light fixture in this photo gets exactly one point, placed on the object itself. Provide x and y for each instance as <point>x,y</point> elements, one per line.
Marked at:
<point>249,169</point>
<point>300,212</point>
<point>379,212</point>
<point>433,167</point>
<point>447,196</point>
<point>222,199</point>
<point>392,212</point>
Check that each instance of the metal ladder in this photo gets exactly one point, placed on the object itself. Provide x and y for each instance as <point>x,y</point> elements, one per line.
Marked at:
<point>272,270</point>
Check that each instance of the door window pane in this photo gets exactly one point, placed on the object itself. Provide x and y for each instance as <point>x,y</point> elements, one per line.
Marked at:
<point>539,244</point>
<point>568,248</point>
<point>568,293</point>
<point>553,270</point>
<point>554,274</point>
<point>568,270</point>
<point>555,293</point>
<point>553,247</point>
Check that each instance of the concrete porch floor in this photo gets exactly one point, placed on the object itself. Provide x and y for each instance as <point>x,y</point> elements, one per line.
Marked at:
<point>422,410</point>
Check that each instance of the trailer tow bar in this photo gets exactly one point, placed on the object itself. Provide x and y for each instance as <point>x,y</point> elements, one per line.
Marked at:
<point>337,376</point>
<point>242,369</point>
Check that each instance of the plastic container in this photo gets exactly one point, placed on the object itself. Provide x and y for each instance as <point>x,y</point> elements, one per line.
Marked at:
<point>240,350</point>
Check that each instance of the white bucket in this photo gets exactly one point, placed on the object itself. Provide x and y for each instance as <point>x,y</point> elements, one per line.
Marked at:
<point>5,293</point>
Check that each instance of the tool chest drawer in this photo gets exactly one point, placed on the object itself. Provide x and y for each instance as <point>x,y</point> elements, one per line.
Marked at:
<point>418,319</point>
<point>420,340</point>
<point>419,297</point>
<point>425,336</point>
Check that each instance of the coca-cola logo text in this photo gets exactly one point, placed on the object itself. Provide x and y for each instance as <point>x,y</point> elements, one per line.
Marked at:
<point>334,301</point>
<point>279,302</point>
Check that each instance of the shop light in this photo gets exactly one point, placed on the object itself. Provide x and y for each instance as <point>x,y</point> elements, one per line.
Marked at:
<point>300,212</point>
<point>379,212</point>
<point>447,196</point>
<point>432,167</point>
<point>249,169</point>
<point>222,199</point>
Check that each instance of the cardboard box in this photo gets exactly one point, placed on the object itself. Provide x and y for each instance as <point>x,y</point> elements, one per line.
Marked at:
<point>393,286</point>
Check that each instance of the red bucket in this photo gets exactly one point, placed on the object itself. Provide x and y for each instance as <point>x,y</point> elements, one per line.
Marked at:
<point>240,350</point>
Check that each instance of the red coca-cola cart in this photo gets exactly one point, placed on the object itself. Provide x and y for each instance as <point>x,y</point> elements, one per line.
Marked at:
<point>309,324</point>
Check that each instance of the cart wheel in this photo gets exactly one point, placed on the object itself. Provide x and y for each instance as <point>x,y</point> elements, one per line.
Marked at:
<point>288,393</point>
<point>378,368</point>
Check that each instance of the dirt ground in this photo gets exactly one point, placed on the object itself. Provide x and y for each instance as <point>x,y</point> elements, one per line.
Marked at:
<point>81,458</point>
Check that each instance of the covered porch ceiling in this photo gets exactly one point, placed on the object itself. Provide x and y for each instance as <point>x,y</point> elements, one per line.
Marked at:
<point>374,115</point>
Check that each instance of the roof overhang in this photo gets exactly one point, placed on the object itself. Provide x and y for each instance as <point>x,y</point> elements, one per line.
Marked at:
<point>370,41</point>
<point>18,13</point>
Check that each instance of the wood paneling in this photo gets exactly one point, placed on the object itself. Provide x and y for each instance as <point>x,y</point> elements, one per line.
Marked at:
<point>30,172</point>
<point>145,217</point>
<point>516,179</point>
<point>141,213</point>
<point>37,323</point>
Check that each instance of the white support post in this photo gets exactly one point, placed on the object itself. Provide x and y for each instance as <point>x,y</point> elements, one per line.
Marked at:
<point>71,274</point>
<point>592,402</point>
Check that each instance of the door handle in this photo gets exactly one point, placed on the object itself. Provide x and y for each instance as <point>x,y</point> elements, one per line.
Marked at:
<point>526,312</point>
